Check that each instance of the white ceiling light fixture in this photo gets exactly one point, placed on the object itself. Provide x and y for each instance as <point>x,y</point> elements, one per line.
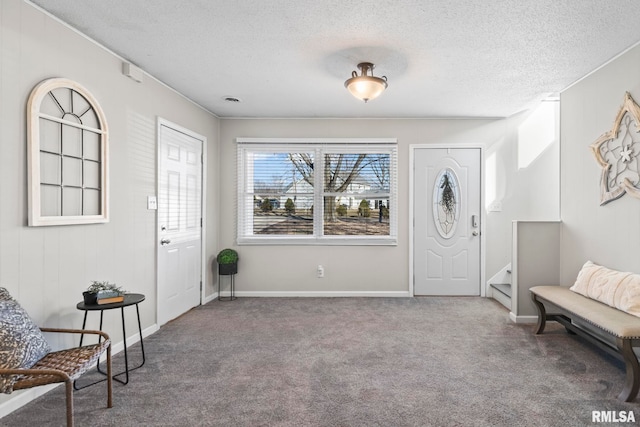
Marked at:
<point>366,86</point>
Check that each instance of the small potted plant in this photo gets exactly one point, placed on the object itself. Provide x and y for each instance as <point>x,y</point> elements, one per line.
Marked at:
<point>227,262</point>
<point>102,293</point>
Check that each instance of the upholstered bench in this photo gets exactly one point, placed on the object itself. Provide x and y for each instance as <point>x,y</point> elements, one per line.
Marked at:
<point>606,326</point>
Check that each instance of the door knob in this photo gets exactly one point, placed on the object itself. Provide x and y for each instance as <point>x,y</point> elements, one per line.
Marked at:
<point>165,241</point>
<point>474,225</point>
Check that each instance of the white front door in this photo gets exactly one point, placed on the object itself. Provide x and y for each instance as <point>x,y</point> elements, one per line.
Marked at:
<point>446,221</point>
<point>179,220</point>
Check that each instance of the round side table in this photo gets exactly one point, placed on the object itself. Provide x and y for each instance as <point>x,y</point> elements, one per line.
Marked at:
<point>129,300</point>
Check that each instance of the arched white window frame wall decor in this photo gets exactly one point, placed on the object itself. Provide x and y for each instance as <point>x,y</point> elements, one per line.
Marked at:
<point>67,154</point>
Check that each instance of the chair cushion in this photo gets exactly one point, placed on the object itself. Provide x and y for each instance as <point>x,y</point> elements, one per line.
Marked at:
<point>21,341</point>
<point>615,288</point>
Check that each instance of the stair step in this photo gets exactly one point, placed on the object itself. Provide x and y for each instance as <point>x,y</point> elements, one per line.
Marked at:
<point>505,288</point>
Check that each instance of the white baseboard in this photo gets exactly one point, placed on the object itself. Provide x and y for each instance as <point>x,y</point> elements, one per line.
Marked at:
<point>20,398</point>
<point>522,319</point>
<point>322,294</point>
<point>118,347</point>
<point>210,298</point>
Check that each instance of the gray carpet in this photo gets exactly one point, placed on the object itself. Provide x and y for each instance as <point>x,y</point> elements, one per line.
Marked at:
<point>350,362</point>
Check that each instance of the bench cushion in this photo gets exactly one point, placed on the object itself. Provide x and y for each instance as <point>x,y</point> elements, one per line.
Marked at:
<point>611,320</point>
<point>615,288</point>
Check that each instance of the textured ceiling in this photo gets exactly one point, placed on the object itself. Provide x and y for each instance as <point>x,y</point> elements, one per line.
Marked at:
<point>284,58</point>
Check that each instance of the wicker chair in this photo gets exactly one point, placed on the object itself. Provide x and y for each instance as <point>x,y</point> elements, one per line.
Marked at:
<point>26,359</point>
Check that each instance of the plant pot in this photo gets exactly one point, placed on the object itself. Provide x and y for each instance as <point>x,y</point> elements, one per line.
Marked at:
<point>227,269</point>
<point>90,298</point>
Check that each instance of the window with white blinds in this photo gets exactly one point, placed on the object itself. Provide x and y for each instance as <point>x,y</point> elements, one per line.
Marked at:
<point>317,191</point>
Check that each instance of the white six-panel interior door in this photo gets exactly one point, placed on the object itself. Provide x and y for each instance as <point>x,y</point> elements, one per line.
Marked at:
<point>446,214</point>
<point>180,167</point>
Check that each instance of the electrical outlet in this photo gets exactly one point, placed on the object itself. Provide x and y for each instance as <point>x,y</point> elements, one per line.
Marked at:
<point>320,272</point>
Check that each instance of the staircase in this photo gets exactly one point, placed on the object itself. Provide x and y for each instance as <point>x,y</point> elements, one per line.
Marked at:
<point>500,287</point>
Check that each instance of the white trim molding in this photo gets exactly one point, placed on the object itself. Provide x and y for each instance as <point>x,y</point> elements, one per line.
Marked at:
<point>322,294</point>
<point>522,319</point>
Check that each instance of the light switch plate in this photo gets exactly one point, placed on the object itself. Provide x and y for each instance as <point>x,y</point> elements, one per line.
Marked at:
<point>152,203</point>
<point>495,207</point>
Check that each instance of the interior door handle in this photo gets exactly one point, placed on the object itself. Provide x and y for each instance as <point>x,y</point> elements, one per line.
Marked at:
<point>474,225</point>
<point>165,241</point>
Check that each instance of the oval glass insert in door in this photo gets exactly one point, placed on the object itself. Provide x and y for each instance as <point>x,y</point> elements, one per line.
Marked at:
<point>446,203</point>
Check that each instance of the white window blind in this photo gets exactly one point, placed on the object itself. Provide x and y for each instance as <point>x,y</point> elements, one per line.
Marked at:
<point>317,191</point>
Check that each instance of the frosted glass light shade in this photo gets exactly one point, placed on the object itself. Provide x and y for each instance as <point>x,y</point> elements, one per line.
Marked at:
<point>366,86</point>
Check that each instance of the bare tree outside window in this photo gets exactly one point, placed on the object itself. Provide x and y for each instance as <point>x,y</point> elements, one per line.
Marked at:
<point>283,188</point>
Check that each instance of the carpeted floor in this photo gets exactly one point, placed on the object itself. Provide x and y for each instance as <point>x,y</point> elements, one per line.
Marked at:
<point>350,362</point>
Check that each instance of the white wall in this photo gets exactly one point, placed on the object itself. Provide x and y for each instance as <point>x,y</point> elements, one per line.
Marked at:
<point>530,193</point>
<point>47,268</point>
<point>282,269</point>
<point>610,234</point>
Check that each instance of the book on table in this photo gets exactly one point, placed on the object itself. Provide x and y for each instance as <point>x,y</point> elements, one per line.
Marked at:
<point>110,300</point>
<point>108,293</point>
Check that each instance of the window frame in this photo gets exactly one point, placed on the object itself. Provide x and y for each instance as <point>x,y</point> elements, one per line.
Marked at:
<point>319,146</point>
<point>34,154</point>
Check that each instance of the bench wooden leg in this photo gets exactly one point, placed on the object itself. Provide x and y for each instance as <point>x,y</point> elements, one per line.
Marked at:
<point>632,381</point>
<point>542,315</point>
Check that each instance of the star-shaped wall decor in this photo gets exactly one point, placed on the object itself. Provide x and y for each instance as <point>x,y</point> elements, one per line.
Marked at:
<point>617,152</point>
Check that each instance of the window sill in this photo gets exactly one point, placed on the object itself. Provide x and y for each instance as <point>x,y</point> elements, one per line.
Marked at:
<point>312,241</point>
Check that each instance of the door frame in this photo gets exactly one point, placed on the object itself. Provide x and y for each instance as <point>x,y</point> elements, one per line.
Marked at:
<point>412,150</point>
<point>203,205</point>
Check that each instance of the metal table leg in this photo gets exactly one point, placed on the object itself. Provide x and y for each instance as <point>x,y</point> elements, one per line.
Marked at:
<point>126,356</point>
